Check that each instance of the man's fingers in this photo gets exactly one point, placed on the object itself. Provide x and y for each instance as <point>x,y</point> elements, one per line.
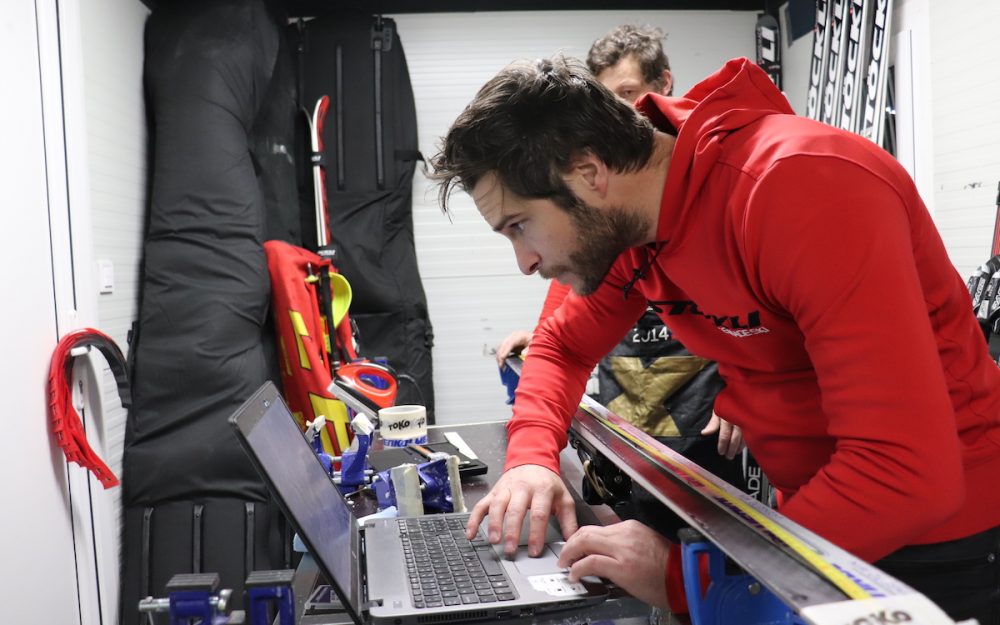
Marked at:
<point>538,524</point>
<point>712,426</point>
<point>517,507</point>
<point>503,351</point>
<point>736,442</point>
<point>595,564</point>
<point>730,439</point>
<point>515,343</point>
<point>476,516</point>
<point>566,513</point>
<point>581,543</point>
<point>498,509</point>
<point>725,431</point>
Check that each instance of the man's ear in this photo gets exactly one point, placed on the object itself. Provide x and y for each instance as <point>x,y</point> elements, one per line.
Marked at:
<point>668,82</point>
<point>587,177</point>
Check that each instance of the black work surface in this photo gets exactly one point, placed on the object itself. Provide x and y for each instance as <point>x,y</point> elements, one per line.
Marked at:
<point>390,457</point>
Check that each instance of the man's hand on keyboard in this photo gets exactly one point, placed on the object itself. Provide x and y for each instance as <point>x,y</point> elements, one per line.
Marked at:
<point>628,553</point>
<point>527,489</point>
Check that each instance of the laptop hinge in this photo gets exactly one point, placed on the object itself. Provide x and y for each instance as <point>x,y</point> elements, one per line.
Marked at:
<point>363,602</point>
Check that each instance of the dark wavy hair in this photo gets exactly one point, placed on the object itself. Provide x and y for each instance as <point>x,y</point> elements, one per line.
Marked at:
<point>642,42</point>
<point>529,121</point>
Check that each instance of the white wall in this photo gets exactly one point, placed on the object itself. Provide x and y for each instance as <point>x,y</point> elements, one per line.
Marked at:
<point>965,88</point>
<point>475,293</point>
<point>910,54</point>
<point>111,33</point>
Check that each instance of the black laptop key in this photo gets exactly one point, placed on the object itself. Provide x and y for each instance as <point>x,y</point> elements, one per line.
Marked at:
<point>470,599</point>
<point>488,558</point>
<point>505,596</point>
<point>452,601</point>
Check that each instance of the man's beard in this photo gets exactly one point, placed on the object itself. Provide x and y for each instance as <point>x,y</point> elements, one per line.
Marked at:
<point>601,237</point>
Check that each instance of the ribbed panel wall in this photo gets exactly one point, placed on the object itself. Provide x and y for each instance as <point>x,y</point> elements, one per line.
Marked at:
<point>965,85</point>
<point>112,36</point>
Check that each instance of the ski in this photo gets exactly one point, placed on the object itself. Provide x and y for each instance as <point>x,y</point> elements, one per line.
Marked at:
<point>854,71</point>
<point>873,100</point>
<point>829,111</point>
<point>820,57</point>
<point>768,34</point>
<point>817,580</point>
<point>316,122</point>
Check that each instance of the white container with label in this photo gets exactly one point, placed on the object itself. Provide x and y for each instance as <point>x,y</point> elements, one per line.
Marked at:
<point>404,425</point>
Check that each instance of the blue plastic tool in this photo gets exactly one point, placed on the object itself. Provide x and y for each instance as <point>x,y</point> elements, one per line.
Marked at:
<point>728,598</point>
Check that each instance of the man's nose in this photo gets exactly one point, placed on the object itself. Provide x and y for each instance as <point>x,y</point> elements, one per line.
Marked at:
<point>527,259</point>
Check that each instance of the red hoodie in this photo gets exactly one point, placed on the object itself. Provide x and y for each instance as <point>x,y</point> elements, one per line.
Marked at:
<point>801,259</point>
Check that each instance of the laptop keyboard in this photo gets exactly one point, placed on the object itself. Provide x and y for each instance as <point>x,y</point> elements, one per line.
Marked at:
<point>445,568</point>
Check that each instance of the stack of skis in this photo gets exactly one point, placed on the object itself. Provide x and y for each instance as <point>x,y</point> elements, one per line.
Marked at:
<point>850,65</point>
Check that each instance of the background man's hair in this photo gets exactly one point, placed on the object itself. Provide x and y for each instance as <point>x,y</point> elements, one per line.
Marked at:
<point>645,43</point>
<point>528,123</point>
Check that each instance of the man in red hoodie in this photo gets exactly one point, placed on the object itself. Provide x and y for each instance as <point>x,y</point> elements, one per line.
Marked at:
<point>649,378</point>
<point>797,256</point>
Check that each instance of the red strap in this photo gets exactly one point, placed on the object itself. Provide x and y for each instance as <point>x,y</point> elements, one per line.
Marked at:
<point>66,424</point>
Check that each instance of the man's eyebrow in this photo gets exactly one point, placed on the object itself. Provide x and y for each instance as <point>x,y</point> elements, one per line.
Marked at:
<point>504,220</point>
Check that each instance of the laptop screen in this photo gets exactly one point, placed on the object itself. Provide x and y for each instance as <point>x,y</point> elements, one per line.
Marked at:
<point>305,491</point>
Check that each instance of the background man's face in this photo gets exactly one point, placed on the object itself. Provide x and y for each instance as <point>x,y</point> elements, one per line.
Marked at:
<point>625,79</point>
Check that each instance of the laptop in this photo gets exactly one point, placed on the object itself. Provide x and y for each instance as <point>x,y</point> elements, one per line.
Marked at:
<point>398,571</point>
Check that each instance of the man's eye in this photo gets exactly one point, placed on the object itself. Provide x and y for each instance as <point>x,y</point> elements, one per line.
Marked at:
<point>517,227</point>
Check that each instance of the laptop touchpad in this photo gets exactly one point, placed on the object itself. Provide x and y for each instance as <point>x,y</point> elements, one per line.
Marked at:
<point>546,563</point>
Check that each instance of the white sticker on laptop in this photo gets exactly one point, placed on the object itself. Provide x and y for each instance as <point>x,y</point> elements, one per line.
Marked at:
<point>557,585</point>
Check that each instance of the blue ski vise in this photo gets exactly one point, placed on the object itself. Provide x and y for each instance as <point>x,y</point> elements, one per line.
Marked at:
<point>354,471</point>
<point>267,589</point>
<point>435,487</point>
<point>729,597</point>
<point>354,463</point>
<point>193,598</point>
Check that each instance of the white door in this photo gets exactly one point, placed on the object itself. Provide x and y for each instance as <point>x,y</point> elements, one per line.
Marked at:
<point>40,499</point>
